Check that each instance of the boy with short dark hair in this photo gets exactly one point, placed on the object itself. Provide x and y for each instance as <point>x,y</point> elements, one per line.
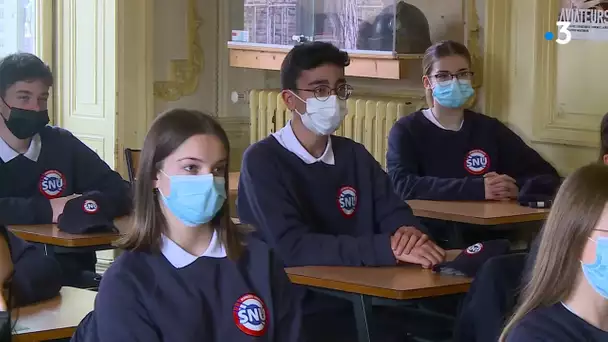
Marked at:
<point>320,199</point>
<point>43,167</point>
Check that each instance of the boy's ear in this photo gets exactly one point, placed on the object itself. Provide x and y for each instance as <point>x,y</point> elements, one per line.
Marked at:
<point>605,159</point>
<point>289,99</point>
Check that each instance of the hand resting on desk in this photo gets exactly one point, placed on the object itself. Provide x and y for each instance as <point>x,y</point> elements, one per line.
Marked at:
<point>412,246</point>
<point>499,187</point>
<point>58,204</point>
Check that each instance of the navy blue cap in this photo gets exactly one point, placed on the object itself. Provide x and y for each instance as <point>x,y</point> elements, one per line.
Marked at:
<point>86,214</point>
<point>538,188</point>
<point>471,259</point>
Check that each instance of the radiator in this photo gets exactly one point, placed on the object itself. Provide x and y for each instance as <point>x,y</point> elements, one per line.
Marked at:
<point>368,121</point>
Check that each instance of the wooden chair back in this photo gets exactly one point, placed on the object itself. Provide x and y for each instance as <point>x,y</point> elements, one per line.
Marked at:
<point>132,158</point>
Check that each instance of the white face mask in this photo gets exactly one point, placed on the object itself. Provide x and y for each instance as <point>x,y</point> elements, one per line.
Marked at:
<point>323,117</point>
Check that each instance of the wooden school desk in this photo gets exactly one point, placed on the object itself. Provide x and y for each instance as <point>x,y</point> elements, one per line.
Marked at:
<point>481,212</point>
<point>361,284</point>
<point>50,236</point>
<point>53,319</point>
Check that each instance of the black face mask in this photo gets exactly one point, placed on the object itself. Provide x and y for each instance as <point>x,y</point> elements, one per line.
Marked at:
<point>25,123</point>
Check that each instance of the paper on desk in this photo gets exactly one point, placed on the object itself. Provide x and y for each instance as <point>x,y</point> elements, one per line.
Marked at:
<point>18,328</point>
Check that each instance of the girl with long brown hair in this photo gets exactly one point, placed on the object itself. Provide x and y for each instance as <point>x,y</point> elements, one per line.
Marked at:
<point>188,273</point>
<point>566,298</point>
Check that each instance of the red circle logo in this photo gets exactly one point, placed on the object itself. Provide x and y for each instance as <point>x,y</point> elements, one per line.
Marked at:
<point>474,249</point>
<point>90,206</point>
<point>250,315</point>
<point>52,184</point>
<point>477,162</point>
<point>347,200</point>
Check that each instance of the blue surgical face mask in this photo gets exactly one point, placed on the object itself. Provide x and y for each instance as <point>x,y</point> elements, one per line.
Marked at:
<point>597,273</point>
<point>195,200</point>
<point>454,93</point>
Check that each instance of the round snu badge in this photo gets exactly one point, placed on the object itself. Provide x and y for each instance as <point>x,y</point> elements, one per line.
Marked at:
<point>90,206</point>
<point>250,315</point>
<point>474,249</point>
<point>52,184</point>
<point>347,200</point>
<point>477,162</point>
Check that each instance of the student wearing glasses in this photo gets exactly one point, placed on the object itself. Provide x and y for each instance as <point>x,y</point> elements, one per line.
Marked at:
<point>320,199</point>
<point>448,152</point>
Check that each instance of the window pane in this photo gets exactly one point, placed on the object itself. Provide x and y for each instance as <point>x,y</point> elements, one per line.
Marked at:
<point>17,26</point>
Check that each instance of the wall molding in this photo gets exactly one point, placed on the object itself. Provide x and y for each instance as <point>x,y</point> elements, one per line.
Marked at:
<point>45,44</point>
<point>551,124</point>
<point>497,60</point>
<point>223,58</point>
<point>472,35</point>
<point>185,73</point>
<point>237,129</point>
<point>135,75</point>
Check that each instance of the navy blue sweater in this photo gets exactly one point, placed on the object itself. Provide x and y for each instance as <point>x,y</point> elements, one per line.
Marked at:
<point>36,277</point>
<point>428,162</point>
<point>319,214</point>
<point>143,298</point>
<point>65,166</point>
<point>555,324</point>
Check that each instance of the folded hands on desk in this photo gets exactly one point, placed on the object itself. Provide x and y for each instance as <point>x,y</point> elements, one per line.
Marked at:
<point>499,187</point>
<point>412,246</point>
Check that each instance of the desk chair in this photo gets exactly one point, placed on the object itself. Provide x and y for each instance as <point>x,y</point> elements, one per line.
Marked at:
<point>491,299</point>
<point>132,159</point>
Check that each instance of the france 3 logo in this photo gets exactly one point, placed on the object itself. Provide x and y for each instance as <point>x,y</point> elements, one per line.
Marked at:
<point>564,35</point>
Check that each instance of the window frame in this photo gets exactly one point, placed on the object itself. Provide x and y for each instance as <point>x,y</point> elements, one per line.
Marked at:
<point>45,43</point>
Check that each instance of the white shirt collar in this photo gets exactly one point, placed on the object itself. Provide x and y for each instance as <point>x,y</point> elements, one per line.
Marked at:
<point>287,138</point>
<point>428,113</point>
<point>33,152</point>
<point>179,258</point>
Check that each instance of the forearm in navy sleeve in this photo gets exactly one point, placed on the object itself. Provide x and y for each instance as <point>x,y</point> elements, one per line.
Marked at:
<point>37,277</point>
<point>93,174</point>
<point>119,314</point>
<point>403,171</point>
<point>288,308</point>
<point>33,210</point>
<point>264,202</point>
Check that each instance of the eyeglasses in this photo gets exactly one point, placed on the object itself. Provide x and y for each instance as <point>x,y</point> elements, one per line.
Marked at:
<point>323,92</point>
<point>446,76</point>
